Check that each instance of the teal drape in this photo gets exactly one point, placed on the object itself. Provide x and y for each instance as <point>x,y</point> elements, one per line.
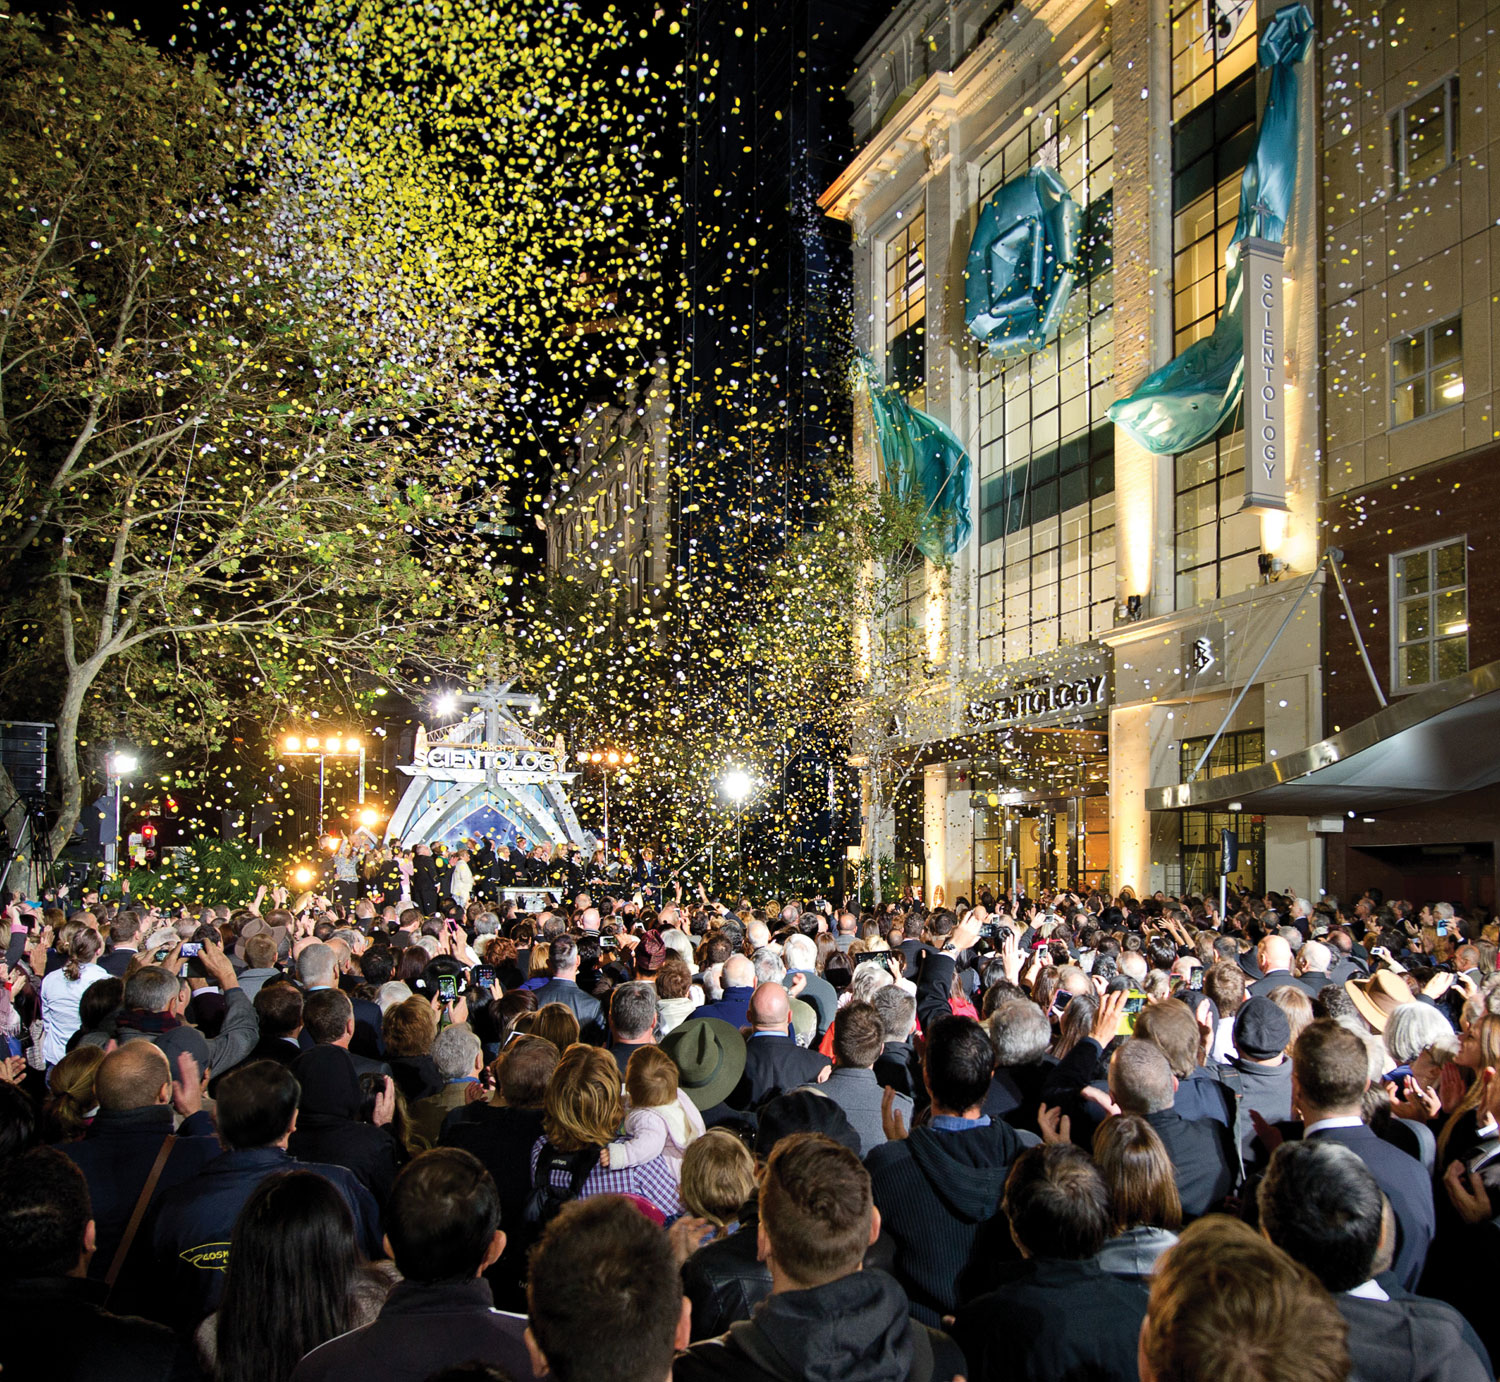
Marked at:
<point>1185,402</point>
<point>1022,263</point>
<point>922,459</point>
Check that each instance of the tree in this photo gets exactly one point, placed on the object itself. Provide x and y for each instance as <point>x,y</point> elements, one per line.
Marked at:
<point>230,478</point>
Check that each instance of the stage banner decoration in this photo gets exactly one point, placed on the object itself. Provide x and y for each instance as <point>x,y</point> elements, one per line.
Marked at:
<point>921,457</point>
<point>1022,264</point>
<point>1183,404</point>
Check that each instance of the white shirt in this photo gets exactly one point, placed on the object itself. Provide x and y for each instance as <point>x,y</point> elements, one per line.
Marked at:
<point>60,999</point>
<point>1368,1290</point>
<point>1323,1123</point>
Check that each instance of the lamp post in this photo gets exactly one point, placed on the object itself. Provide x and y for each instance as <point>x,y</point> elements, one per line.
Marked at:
<point>737,785</point>
<point>604,760</point>
<point>324,747</point>
<point>119,765</point>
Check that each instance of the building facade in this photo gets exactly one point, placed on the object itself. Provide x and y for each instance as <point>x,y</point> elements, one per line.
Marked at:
<point>1118,619</point>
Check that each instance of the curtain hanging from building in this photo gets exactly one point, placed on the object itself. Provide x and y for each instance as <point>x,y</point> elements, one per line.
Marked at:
<point>922,459</point>
<point>1022,263</point>
<point>1185,402</point>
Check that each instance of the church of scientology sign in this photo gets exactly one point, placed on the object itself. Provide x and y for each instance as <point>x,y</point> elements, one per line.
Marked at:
<point>506,763</point>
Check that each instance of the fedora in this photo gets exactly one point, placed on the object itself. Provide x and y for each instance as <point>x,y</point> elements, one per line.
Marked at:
<point>1378,996</point>
<point>710,1059</point>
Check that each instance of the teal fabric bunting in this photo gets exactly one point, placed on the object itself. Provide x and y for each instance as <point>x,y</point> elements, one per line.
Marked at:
<point>1022,264</point>
<point>1183,404</point>
<point>922,458</point>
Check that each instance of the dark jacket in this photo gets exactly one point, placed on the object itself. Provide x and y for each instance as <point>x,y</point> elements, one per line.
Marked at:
<point>282,1050</point>
<point>420,1331</point>
<point>773,1065</point>
<point>1409,1339</point>
<point>502,1139</point>
<point>733,1007</point>
<point>117,961</point>
<point>116,1155</point>
<point>1054,1319</point>
<point>193,1223</point>
<point>855,1329</point>
<point>329,1128</point>
<point>725,1280</point>
<point>1203,1158</point>
<point>1280,978</point>
<point>1406,1186</point>
<point>585,1007</point>
<point>1016,1093</point>
<point>415,1076</point>
<point>898,1067</point>
<point>56,1329</point>
<point>938,1193</point>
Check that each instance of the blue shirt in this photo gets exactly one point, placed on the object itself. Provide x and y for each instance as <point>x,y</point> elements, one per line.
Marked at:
<point>947,1122</point>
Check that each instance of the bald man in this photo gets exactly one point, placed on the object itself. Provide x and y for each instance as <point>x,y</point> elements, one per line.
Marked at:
<point>138,1094</point>
<point>1274,956</point>
<point>774,1063</point>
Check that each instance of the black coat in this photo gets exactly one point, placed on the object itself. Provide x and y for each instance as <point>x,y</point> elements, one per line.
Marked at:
<point>938,1193</point>
<point>1016,1093</point>
<point>899,1067</point>
<point>1203,1156</point>
<point>585,1007</point>
<point>502,1139</point>
<point>774,1065</point>
<point>725,1280</point>
<point>56,1329</point>
<point>856,1329</point>
<point>420,1331</point>
<point>1054,1319</point>
<point>116,1155</point>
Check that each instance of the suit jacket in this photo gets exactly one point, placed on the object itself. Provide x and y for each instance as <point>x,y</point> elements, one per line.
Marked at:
<point>282,1050</point>
<point>859,1094</point>
<point>1406,1186</point>
<point>586,1008</point>
<point>427,1114</point>
<point>1202,1156</point>
<point>773,1065</point>
<point>1409,1339</point>
<point>1054,1319</point>
<point>1015,1092</point>
<point>117,962</point>
<point>1279,978</point>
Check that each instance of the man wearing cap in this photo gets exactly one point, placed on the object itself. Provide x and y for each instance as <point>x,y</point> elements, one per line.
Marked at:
<point>1330,1073</point>
<point>1261,1074</point>
<point>710,1060</point>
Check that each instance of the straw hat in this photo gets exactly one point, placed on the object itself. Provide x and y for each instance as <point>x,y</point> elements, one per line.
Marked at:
<point>1378,996</point>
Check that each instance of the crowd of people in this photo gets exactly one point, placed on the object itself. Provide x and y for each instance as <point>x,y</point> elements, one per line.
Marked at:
<point>1072,1137</point>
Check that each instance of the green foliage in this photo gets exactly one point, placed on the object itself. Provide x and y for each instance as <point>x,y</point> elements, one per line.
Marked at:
<point>205,871</point>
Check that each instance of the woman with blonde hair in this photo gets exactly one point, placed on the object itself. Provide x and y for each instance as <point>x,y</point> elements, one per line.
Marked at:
<point>1479,1055</point>
<point>582,1114</point>
<point>1298,1009</point>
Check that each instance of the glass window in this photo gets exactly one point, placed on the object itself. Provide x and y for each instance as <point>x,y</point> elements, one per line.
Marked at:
<point>1200,829</point>
<point>906,308</point>
<point>1423,135</point>
<point>1430,631</point>
<point>1427,372</point>
<point>1204,58</point>
<point>1046,447</point>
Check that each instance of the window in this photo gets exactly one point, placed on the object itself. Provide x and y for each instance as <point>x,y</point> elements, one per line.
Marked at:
<point>1427,372</point>
<point>1430,638</point>
<point>906,309</point>
<point>1200,829</point>
<point>1423,135</point>
<point>904,633</point>
<point>1201,63</point>
<point>1218,545</point>
<point>1046,446</point>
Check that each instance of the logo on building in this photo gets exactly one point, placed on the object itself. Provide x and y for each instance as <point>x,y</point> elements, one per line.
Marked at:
<point>1045,698</point>
<point>1202,656</point>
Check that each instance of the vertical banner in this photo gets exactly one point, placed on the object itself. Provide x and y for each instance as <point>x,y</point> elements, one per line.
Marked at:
<point>1265,375</point>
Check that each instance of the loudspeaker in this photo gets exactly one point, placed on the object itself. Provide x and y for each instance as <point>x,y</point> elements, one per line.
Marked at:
<point>23,752</point>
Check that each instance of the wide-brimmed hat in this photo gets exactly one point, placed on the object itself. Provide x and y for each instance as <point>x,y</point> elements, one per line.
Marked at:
<point>258,926</point>
<point>1378,996</point>
<point>710,1059</point>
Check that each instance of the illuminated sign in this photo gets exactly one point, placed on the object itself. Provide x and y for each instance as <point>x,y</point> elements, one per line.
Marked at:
<point>1265,376</point>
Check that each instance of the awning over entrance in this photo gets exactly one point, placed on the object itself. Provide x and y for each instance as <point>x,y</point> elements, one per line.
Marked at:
<point>1433,743</point>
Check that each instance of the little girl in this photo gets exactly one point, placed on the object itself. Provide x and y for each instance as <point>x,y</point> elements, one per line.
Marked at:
<point>718,1177</point>
<point>662,1121</point>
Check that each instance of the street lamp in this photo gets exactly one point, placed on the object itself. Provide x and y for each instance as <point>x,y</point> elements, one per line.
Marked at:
<point>738,785</point>
<point>323,748</point>
<point>604,760</point>
<point>119,765</point>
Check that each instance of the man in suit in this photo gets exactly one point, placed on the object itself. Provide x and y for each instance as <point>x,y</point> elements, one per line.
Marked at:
<point>1061,1314</point>
<point>563,988</point>
<point>328,1020</point>
<point>1319,1204</point>
<point>278,1007</point>
<point>858,1040</point>
<point>318,969</point>
<point>1275,957</point>
<point>125,931</point>
<point>632,1021</point>
<point>1202,1150</point>
<point>1330,1073</point>
<point>774,1063</point>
